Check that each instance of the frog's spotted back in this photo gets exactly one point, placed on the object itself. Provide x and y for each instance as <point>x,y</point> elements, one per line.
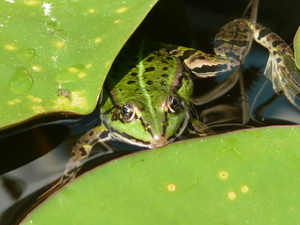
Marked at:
<point>233,38</point>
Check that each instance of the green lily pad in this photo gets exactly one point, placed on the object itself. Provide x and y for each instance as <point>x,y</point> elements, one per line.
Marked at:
<point>55,55</point>
<point>297,48</point>
<point>244,177</point>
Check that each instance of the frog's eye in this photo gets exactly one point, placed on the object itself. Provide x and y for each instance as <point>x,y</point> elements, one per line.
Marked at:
<point>173,104</point>
<point>128,112</point>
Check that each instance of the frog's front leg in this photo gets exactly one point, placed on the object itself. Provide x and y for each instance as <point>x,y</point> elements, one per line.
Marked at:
<point>81,152</point>
<point>281,68</point>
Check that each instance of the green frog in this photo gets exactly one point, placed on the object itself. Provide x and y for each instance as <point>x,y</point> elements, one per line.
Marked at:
<point>146,98</point>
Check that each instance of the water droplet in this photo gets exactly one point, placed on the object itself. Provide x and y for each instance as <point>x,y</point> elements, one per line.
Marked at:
<point>71,74</point>
<point>21,81</point>
<point>25,54</point>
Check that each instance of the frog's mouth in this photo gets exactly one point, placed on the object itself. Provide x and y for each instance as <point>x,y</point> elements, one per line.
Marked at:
<point>161,140</point>
<point>154,142</point>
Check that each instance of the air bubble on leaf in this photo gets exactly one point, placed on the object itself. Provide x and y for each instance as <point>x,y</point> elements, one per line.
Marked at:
<point>25,54</point>
<point>21,81</point>
<point>71,74</point>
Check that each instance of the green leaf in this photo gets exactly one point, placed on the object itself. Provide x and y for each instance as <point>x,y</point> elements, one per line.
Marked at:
<point>297,48</point>
<point>245,177</point>
<point>54,56</point>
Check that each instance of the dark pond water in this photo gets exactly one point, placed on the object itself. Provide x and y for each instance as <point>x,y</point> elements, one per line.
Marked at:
<point>34,155</point>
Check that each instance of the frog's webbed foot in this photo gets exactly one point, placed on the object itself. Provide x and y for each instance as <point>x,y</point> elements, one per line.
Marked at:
<point>80,153</point>
<point>285,78</point>
<point>281,68</point>
<point>197,127</point>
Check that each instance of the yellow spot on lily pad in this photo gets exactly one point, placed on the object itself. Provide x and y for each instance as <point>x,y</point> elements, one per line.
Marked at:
<point>97,40</point>
<point>10,47</point>
<point>73,69</point>
<point>15,101</point>
<point>121,10</point>
<point>38,109</point>
<point>223,175</point>
<point>65,103</point>
<point>36,68</point>
<point>88,65</point>
<point>32,2</point>
<point>59,44</point>
<point>78,100</point>
<point>34,99</point>
<point>91,10</point>
<point>171,187</point>
<point>71,74</point>
<point>82,75</point>
<point>245,189</point>
<point>117,21</point>
<point>62,103</point>
<point>231,195</point>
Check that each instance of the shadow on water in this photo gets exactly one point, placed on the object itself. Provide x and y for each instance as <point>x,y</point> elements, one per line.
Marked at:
<point>40,141</point>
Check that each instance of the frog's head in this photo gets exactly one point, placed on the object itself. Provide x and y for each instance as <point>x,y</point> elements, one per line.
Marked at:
<point>152,123</point>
